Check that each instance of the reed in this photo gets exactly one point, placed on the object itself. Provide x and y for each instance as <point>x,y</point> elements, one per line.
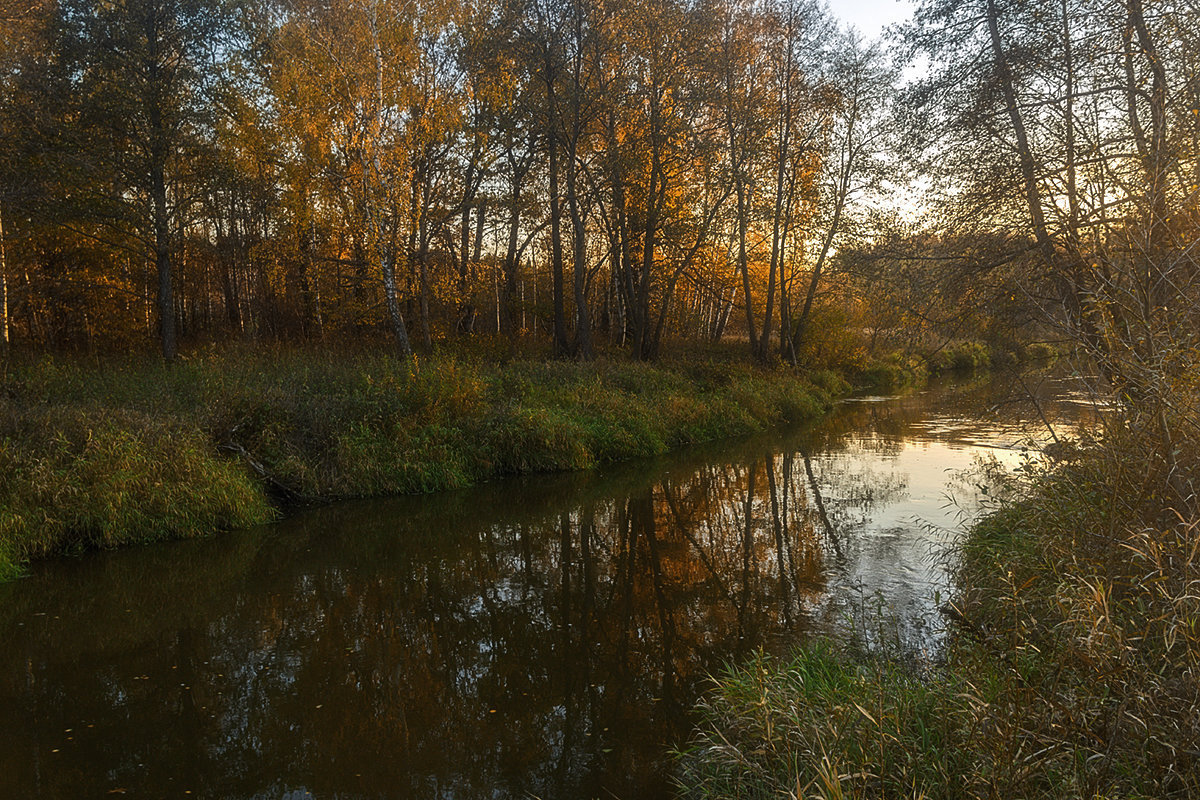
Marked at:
<point>1073,669</point>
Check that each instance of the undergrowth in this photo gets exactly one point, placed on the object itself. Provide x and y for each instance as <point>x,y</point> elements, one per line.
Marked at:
<point>897,370</point>
<point>108,453</point>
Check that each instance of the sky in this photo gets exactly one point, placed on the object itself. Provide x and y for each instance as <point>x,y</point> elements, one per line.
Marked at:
<point>870,16</point>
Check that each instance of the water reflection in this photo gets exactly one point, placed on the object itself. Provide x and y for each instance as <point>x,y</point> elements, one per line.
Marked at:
<point>542,637</point>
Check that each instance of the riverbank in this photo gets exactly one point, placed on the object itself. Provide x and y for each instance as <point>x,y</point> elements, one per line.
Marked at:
<point>1073,671</point>
<point>105,454</point>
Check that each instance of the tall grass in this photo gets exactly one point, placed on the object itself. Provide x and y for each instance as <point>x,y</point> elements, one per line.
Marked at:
<point>1085,588</point>
<point>97,455</point>
<point>822,724</point>
<point>1074,671</point>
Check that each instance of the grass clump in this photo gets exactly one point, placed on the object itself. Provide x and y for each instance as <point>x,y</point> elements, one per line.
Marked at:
<point>72,479</point>
<point>821,724</point>
<point>104,454</point>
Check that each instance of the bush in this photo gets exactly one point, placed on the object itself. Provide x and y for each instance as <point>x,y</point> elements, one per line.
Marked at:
<point>1040,351</point>
<point>959,357</point>
<point>893,373</point>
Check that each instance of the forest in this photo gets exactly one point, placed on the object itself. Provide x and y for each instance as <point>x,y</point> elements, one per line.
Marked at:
<point>204,171</point>
<point>571,173</point>
<point>577,172</point>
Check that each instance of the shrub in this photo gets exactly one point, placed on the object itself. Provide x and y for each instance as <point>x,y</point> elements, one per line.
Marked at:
<point>893,373</point>
<point>959,357</point>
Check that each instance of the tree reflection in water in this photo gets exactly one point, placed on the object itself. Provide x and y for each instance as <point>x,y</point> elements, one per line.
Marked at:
<point>542,637</point>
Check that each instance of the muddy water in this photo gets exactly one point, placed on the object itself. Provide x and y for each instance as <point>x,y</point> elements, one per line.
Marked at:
<point>541,637</point>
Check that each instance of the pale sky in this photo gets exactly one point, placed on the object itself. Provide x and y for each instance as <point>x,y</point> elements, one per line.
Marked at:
<point>870,16</point>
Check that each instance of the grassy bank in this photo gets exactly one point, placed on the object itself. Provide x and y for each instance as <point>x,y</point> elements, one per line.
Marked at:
<point>897,371</point>
<point>103,454</point>
<point>1074,670</point>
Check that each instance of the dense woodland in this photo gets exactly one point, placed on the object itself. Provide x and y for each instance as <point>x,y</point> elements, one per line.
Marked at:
<point>597,171</point>
<point>202,169</point>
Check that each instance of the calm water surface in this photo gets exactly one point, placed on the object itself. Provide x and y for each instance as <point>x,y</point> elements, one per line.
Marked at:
<point>542,637</point>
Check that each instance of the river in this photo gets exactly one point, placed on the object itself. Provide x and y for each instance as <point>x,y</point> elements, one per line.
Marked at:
<point>541,637</point>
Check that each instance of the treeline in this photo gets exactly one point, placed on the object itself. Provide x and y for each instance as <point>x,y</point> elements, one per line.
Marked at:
<point>562,169</point>
<point>576,172</point>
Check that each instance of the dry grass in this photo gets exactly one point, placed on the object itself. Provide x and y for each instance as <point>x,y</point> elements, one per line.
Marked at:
<point>1075,672</point>
<point>1084,598</point>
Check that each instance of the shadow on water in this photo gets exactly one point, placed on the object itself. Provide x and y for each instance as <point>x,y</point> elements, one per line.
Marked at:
<point>541,637</point>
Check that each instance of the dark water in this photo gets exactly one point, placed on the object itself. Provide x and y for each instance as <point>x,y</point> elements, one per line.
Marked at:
<point>543,637</point>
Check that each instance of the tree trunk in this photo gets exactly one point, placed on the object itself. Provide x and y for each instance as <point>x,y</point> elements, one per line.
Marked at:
<point>1024,152</point>
<point>157,166</point>
<point>1072,270</point>
<point>480,216</point>
<point>162,243</point>
<point>561,347</point>
<point>423,267</point>
<point>654,197</point>
<point>622,257</point>
<point>384,251</point>
<point>1069,128</point>
<point>4,335</point>
<point>744,262</point>
<point>508,317</point>
<point>583,327</point>
<point>387,262</point>
<point>815,280</point>
<point>778,225</point>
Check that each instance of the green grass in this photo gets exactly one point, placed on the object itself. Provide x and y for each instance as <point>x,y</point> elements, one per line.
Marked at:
<point>1074,671</point>
<point>105,453</point>
<point>822,724</point>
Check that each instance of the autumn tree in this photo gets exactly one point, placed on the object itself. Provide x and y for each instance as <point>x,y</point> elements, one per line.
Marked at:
<point>861,129</point>
<point>143,68</point>
<point>344,72</point>
<point>345,167</point>
<point>1071,125</point>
